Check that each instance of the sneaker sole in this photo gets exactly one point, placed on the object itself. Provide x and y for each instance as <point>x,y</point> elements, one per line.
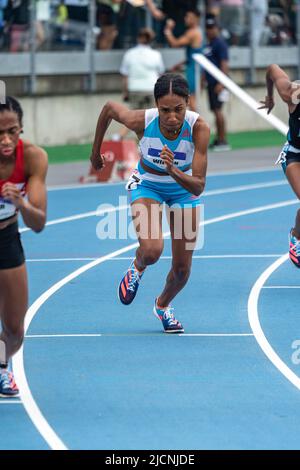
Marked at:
<point>3,395</point>
<point>167,331</point>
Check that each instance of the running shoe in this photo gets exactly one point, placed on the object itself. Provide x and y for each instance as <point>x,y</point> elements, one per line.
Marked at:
<point>129,284</point>
<point>294,250</point>
<point>8,386</point>
<point>166,315</point>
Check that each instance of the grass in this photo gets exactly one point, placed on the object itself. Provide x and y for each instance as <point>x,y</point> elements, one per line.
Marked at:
<point>238,140</point>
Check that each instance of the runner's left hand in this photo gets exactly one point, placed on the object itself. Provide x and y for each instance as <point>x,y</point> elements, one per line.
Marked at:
<point>168,158</point>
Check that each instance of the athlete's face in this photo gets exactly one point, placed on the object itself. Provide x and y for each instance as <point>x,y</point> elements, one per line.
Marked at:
<point>172,109</point>
<point>10,129</point>
<point>190,19</point>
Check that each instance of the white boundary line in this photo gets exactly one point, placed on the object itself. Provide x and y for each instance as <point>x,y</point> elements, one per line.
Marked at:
<point>117,183</point>
<point>30,405</point>
<point>10,401</point>
<point>280,287</point>
<point>126,258</point>
<point>215,192</point>
<point>125,335</point>
<point>253,316</point>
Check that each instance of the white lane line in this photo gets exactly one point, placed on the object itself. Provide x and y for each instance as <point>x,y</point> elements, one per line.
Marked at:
<point>127,258</point>
<point>84,186</point>
<point>10,401</point>
<point>98,213</point>
<point>118,183</point>
<point>229,335</point>
<point>52,260</point>
<point>29,403</point>
<point>253,316</point>
<point>263,169</point>
<point>280,287</point>
<point>246,187</point>
<point>18,361</point>
<point>70,335</point>
<point>118,335</point>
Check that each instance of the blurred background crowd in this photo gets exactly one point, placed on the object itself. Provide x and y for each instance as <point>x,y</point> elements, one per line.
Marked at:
<point>64,24</point>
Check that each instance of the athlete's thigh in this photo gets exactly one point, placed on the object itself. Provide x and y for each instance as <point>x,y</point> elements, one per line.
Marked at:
<point>184,227</point>
<point>13,296</point>
<point>293,176</point>
<point>147,219</point>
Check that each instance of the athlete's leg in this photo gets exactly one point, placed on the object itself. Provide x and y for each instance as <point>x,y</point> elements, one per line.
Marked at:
<point>293,176</point>
<point>147,218</point>
<point>184,225</point>
<point>220,125</point>
<point>13,307</point>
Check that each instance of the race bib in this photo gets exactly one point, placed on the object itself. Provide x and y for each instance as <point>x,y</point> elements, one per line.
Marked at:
<point>133,182</point>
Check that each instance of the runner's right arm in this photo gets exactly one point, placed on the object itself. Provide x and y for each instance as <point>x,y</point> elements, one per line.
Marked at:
<point>132,119</point>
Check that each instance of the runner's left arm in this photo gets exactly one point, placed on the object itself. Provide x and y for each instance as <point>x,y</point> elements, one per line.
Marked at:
<point>194,183</point>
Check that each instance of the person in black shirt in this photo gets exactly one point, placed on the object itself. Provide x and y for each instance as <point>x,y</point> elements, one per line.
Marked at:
<point>216,51</point>
<point>289,157</point>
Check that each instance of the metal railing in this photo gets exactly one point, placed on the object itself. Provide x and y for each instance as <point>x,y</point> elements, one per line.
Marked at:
<point>90,62</point>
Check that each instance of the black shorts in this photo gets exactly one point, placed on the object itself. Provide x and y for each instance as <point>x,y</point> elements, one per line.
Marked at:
<point>286,157</point>
<point>11,250</point>
<point>214,103</point>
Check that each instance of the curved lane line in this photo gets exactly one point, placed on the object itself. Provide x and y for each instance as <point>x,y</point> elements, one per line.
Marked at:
<point>260,337</point>
<point>30,405</point>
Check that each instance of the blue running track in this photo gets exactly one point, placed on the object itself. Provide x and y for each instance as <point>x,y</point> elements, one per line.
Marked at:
<point>94,374</point>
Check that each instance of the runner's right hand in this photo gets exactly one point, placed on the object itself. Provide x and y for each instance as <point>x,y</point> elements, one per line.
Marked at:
<point>98,163</point>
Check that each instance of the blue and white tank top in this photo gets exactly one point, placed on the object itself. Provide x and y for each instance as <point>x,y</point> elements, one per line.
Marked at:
<point>153,141</point>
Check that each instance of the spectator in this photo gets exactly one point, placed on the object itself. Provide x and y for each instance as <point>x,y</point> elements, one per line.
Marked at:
<point>192,40</point>
<point>107,11</point>
<point>132,18</point>
<point>232,19</point>
<point>20,20</point>
<point>3,5</point>
<point>290,17</point>
<point>42,21</point>
<point>217,52</point>
<point>176,11</point>
<point>141,66</point>
<point>258,17</point>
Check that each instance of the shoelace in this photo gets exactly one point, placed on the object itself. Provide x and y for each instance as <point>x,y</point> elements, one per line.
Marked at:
<point>169,316</point>
<point>5,378</point>
<point>296,245</point>
<point>135,278</point>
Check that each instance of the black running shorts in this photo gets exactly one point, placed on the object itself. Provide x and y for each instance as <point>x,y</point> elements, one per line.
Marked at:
<point>11,250</point>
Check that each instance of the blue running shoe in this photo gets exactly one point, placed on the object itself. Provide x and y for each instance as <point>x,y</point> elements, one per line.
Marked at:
<point>129,284</point>
<point>8,386</point>
<point>166,315</point>
<point>294,249</point>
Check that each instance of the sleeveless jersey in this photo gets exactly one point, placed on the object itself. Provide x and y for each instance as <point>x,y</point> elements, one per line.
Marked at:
<point>153,141</point>
<point>7,209</point>
<point>294,129</point>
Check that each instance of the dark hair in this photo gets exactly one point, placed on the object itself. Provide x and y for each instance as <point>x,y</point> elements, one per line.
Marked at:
<point>211,21</point>
<point>171,83</point>
<point>195,11</point>
<point>146,34</point>
<point>11,104</point>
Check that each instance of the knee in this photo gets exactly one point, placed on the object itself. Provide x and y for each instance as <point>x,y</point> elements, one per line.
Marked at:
<point>181,273</point>
<point>15,336</point>
<point>151,255</point>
